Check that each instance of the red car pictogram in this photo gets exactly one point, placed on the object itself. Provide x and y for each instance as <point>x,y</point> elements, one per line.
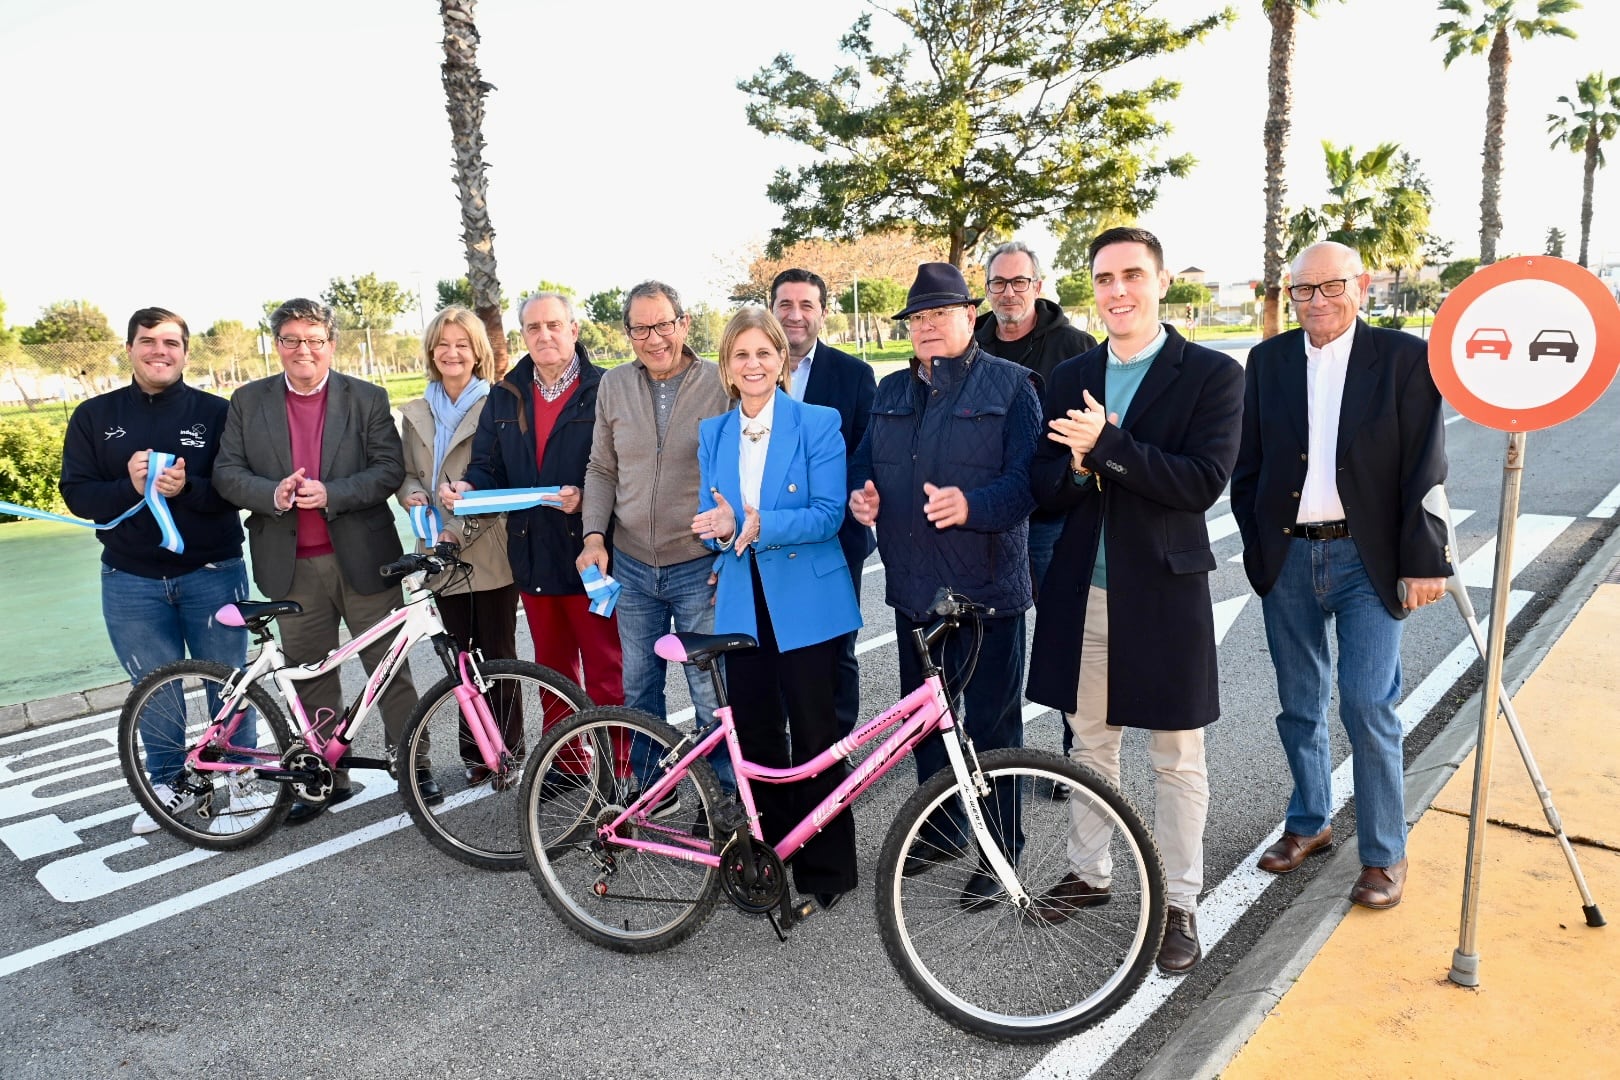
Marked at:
<point>1488,339</point>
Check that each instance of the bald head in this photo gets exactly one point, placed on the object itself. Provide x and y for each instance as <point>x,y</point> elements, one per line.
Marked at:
<point>1326,283</point>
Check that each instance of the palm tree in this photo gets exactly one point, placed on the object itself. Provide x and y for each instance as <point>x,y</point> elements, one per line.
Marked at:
<point>1376,208</point>
<point>1489,34</point>
<point>1593,119</point>
<point>464,91</point>
<point>1279,104</point>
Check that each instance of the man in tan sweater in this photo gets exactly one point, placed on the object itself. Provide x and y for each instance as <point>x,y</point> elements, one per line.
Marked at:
<point>641,490</point>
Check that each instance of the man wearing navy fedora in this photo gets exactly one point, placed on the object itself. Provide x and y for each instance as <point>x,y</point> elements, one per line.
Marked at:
<point>943,473</point>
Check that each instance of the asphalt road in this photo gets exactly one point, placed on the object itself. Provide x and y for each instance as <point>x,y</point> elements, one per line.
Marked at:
<point>351,948</point>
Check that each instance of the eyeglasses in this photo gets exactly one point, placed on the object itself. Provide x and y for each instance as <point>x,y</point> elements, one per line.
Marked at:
<point>929,318</point>
<point>1301,294</point>
<point>998,285</point>
<point>316,344</point>
<point>662,329</point>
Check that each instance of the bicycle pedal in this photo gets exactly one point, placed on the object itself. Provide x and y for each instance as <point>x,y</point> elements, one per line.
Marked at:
<point>729,818</point>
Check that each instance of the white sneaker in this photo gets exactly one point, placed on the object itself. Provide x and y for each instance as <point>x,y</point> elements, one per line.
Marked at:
<point>174,802</point>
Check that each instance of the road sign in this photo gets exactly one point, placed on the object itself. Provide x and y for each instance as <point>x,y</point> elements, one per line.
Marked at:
<point>1526,343</point>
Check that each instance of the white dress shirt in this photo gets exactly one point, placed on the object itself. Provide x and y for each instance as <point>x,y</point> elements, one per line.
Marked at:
<point>751,454</point>
<point>800,378</point>
<point>1325,370</point>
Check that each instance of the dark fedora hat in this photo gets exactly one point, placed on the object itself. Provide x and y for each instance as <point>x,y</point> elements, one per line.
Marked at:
<point>938,284</point>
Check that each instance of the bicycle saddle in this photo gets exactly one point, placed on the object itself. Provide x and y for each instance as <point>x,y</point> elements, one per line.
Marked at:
<point>700,649</point>
<point>252,612</point>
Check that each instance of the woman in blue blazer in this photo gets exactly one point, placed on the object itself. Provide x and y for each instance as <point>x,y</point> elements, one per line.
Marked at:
<point>771,501</point>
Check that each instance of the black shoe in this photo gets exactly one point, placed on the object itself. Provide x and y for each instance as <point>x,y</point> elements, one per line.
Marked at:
<point>924,855</point>
<point>302,811</point>
<point>981,891</point>
<point>429,787</point>
<point>826,901</point>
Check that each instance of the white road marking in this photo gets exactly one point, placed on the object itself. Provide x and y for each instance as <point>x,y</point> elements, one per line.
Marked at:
<point>1609,505</point>
<point>1530,538</point>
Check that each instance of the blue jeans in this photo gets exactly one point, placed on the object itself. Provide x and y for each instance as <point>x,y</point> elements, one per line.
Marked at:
<point>156,621</point>
<point>1323,580</point>
<point>653,601</point>
<point>991,711</point>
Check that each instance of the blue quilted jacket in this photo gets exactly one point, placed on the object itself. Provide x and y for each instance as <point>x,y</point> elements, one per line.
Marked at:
<point>975,427</point>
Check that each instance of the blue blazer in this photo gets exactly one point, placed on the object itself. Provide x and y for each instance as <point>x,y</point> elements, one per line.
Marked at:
<point>801,505</point>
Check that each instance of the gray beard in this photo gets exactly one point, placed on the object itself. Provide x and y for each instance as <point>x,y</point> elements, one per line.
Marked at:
<point>1008,320</point>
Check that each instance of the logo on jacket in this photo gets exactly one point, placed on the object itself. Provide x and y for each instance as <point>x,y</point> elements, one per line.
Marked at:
<point>112,433</point>
<point>193,435</point>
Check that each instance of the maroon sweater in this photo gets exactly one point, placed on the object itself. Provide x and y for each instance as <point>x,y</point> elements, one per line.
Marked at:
<point>306,421</point>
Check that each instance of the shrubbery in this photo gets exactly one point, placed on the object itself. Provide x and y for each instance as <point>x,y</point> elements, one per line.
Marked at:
<point>31,463</point>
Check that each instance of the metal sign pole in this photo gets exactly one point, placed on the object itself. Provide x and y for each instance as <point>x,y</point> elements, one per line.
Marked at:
<point>1465,959</point>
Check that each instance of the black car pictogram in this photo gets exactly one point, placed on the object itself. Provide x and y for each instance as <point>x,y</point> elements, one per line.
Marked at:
<point>1555,343</point>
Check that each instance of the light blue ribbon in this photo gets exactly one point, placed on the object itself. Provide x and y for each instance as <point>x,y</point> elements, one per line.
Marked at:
<point>500,500</point>
<point>425,523</point>
<point>156,462</point>
<point>602,590</point>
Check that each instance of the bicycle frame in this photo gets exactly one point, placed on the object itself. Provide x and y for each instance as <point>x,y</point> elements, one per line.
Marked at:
<point>411,623</point>
<point>923,712</point>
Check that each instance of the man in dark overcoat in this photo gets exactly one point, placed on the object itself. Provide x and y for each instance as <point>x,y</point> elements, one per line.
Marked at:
<point>1141,435</point>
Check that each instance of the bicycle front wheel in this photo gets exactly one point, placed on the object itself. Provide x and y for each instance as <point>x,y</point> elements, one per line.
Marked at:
<point>1037,972</point>
<point>585,775</point>
<point>477,820</point>
<point>164,716</point>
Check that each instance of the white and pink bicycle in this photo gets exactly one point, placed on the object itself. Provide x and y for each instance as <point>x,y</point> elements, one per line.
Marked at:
<point>233,766</point>
<point>629,837</point>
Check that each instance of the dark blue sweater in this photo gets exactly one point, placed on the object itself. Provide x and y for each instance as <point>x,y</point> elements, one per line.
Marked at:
<point>974,427</point>
<point>105,432</point>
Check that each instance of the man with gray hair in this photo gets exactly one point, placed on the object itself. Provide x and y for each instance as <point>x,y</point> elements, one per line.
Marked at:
<point>314,457</point>
<point>1342,438</point>
<point>641,490</point>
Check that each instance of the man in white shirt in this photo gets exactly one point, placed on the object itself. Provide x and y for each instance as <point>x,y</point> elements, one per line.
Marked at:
<point>1342,438</point>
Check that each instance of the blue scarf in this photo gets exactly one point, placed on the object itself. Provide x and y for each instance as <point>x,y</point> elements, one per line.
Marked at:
<point>447,416</point>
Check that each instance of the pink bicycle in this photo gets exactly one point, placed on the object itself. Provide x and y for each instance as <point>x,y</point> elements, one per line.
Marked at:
<point>627,834</point>
<point>209,755</point>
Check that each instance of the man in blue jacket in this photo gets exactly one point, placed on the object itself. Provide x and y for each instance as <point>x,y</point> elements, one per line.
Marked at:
<point>943,472</point>
<point>159,605</point>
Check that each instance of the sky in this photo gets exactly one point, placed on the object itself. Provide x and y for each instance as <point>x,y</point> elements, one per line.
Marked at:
<point>208,156</point>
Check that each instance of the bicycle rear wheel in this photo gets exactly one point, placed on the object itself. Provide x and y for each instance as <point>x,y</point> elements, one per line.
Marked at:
<point>478,820</point>
<point>584,775</point>
<point>163,717</point>
<point>1001,971</point>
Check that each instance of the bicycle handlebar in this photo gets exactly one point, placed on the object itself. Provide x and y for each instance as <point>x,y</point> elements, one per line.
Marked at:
<point>440,559</point>
<point>951,605</point>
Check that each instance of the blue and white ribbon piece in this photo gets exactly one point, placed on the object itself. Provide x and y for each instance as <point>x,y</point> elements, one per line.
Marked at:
<point>500,500</point>
<point>156,462</point>
<point>425,523</point>
<point>602,590</point>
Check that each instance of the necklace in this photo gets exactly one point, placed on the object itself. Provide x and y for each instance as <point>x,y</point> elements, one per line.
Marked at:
<point>754,434</point>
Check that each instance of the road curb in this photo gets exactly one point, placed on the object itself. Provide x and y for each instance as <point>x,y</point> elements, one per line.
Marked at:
<point>26,715</point>
<point>1214,1032</point>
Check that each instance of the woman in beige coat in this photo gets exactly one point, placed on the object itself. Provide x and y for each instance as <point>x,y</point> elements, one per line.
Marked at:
<point>437,431</point>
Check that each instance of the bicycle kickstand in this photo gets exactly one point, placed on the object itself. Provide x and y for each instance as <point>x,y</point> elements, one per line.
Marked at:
<point>792,914</point>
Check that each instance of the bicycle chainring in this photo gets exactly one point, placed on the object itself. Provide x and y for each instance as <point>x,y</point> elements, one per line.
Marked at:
<point>770,876</point>
<point>300,759</point>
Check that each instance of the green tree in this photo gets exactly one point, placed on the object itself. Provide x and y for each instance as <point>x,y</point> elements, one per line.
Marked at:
<point>1190,293</point>
<point>458,293</point>
<point>1279,117</point>
<point>68,320</point>
<point>1012,112</point>
<point>1076,291</point>
<point>604,340</point>
<point>223,347</point>
<point>1483,26</point>
<point>1454,273</point>
<point>606,307</point>
<point>464,90</point>
<point>1419,295</point>
<point>879,298</point>
<point>1592,119</point>
<point>1555,242</point>
<point>1377,206</point>
<point>703,332</point>
<point>8,337</point>
<point>369,302</point>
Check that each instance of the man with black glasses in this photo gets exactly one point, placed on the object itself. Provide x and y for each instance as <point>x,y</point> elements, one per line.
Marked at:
<point>1342,438</point>
<point>641,490</point>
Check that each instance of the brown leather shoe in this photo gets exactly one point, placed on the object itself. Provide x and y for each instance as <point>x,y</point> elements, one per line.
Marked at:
<point>1180,951</point>
<point>1380,887</point>
<point>1286,854</point>
<point>1062,900</point>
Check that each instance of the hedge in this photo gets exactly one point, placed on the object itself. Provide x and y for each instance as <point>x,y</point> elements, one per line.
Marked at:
<point>31,463</point>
